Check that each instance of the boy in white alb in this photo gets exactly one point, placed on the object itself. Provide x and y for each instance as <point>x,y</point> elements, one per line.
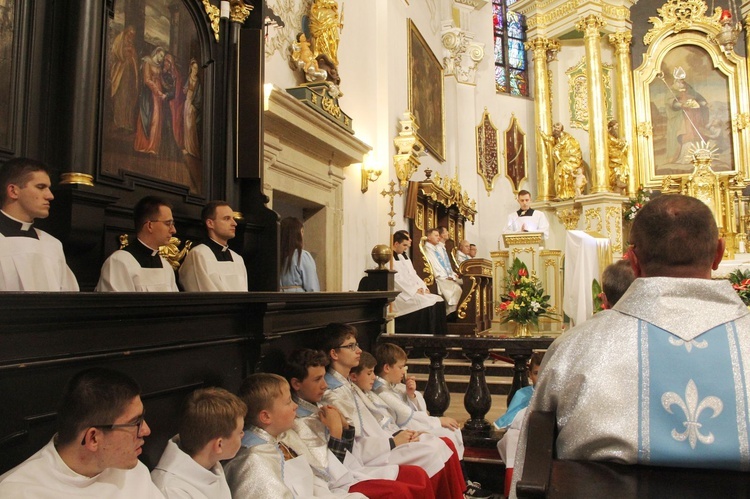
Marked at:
<point>331,439</point>
<point>210,430</point>
<point>100,434</point>
<point>274,462</point>
<point>405,403</point>
<point>374,443</point>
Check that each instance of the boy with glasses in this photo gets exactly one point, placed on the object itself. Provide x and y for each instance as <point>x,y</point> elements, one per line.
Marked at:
<point>139,266</point>
<point>375,445</point>
<point>100,434</point>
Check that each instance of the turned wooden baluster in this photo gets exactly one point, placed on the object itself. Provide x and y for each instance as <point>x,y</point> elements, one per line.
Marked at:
<point>520,373</point>
<point>437,398</point>
<point>477,400</point>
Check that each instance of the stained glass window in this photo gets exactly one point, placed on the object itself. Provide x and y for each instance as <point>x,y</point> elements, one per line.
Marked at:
<point>511,75</point>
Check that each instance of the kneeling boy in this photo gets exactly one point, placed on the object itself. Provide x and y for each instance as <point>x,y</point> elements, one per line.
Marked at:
<point>210,430</point>
<point>329,436</point>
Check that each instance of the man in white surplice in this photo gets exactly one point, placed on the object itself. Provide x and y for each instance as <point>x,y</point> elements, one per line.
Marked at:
<point>417,310</point>
<point>139,266</point>
<point>527,219</point>
<point>212,266</point>
<point>448,282</point>
<point>30,259</point>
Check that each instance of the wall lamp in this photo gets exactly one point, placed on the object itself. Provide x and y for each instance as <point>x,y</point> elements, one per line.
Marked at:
<point>370,171</point>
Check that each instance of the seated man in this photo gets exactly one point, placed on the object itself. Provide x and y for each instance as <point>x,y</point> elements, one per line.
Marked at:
<point>139,266</point>
<point>527,219</point>
<point>472,250</point>
<point>100,433</point>
<point>669,362</point>
<point>212,266</point>
<point>448,283</point>
<point>30,259</point>
<point>417,310</point>
<point>462,253</point>
<point>210,430</point>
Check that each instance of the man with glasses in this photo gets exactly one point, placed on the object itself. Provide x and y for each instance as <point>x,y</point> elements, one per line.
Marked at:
<point>100,433</point>
<point>30,259</point>
<point>212,266</point>
<point>139,266</point>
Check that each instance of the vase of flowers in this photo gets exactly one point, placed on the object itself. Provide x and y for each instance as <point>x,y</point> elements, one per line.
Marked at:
<point>525,301</point>
<point>634,204</point>
<point>741,283</point>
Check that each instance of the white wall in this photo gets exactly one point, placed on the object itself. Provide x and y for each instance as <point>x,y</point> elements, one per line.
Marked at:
<point>373,69</point>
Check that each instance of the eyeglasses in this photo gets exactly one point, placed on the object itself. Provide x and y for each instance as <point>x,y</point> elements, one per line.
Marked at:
<point>351,346</point>
<point>168,223</point>
<point>137,423</point>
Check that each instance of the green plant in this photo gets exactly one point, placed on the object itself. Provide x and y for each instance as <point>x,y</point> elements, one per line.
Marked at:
<point>525,300</point>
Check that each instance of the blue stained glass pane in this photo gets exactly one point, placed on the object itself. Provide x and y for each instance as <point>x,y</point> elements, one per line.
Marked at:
<point>499,51</point>
<point>516,54</point>
<point>518,83</point>
<point>510,2</point>
<point>515,25</point>
<point>501,80</point>
<point>497,17</point>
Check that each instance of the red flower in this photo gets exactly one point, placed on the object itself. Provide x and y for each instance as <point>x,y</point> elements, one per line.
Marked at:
<point>504,305</point>
<point>522,272</point>
<point>512,295</point>
<point>746,282</point>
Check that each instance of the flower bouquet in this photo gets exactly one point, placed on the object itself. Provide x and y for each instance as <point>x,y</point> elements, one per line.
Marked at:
<point>525,300</point>
<point>741,283</point>
<point>634,205</point>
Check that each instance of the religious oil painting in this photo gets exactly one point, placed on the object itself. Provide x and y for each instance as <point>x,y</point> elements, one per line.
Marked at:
<point>153,101</point>
<point>690,103</point>
<point>515,153</point>
<point>8,70</point>
<point>426,93</point>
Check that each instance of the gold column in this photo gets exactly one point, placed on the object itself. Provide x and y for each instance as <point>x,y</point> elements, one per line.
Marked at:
<point>540,47</point>
<point>626,102</point>
<point>590,26</point>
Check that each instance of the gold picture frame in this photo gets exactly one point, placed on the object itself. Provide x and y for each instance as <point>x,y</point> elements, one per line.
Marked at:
<point>426,97</point>
<point>488,151</point>
<point>689,89</point>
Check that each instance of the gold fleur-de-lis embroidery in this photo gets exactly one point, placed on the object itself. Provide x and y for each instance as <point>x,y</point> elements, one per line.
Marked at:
<point>688,344</point>
<point>692,409</point>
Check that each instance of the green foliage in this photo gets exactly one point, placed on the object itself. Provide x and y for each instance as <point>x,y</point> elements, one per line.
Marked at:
<point>597,294</point>
<point>634,205</point>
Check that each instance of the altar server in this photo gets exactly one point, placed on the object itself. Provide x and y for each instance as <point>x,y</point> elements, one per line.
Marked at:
<point>30,259</point>
<point>526,218</point>
<point>210,430</point>
<point>448,282</point>
<point>100,433</point>
<point>212,266</point>
<point>139,266</point>
<point>417,310</point>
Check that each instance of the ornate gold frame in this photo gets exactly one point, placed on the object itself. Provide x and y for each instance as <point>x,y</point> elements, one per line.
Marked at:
<point>488,160</point>
<point>683,23</point>
<point>578,94</point>
<point>419,52</point>
<point>507,134</point>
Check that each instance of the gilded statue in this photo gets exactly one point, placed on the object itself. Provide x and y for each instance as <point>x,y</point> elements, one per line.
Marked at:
<point>303,57</point>
<point>618,159</point>
<point>566,153</point>
<point>324,27</point>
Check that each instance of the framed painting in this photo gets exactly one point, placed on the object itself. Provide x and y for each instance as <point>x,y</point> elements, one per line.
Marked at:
<point>690,91</point>
<point>488,151</point>
<point>426,92</point>
<point>9,73</point>
<point>515,153</point>
<point>153,106</point>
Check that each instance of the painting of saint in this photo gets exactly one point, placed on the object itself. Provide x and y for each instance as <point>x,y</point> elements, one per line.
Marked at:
<point>689,104</point>
<point>153,113</point>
